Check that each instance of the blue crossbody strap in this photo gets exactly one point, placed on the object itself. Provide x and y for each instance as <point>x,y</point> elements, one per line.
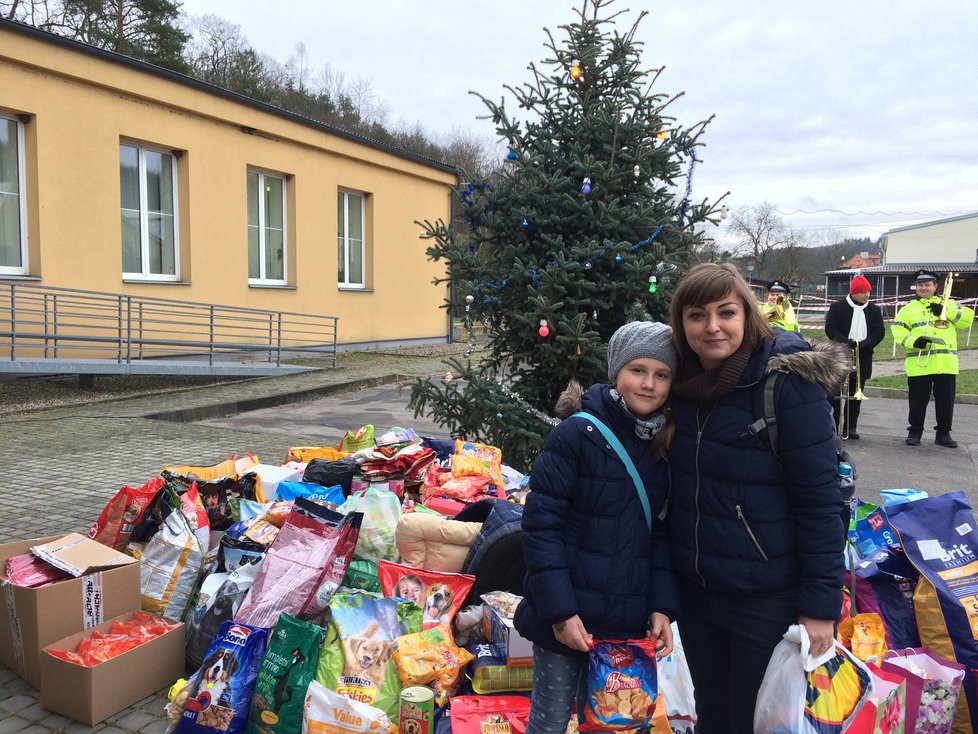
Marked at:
<point>612,439</point>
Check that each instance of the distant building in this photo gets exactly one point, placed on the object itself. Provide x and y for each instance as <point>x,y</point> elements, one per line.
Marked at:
<point>942,245</point>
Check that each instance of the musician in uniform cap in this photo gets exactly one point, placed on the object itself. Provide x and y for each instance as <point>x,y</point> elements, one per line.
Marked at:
<point>855,321</point>
<point>778,310</point>
<point>927,328</point>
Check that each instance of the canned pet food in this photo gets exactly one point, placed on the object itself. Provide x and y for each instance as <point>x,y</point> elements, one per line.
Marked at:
<point>416,709</point>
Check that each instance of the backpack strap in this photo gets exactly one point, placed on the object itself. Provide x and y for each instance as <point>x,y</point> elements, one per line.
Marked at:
<point>615,444</point>
<point>765,409</point>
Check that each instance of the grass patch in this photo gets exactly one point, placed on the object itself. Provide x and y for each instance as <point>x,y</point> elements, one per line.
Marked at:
<point>967,383</point>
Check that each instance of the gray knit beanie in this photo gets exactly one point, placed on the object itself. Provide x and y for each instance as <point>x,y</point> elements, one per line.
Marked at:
<point>638,340</point>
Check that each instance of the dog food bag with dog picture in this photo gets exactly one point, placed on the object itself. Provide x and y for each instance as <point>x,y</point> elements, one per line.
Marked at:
<point>356,657</point>
<point>218,599</point>
<point>286,669</point>
<point>327,712</point>
<point>622,686</point>
<point>221,695</point>
<point>440,595</point>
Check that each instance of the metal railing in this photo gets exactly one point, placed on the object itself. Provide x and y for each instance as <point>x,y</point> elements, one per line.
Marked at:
<point>64,323</point>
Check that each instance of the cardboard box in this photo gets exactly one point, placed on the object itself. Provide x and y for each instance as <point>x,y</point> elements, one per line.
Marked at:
<point>500,630</point>
<point>91,695</point>
<point>33,618</point>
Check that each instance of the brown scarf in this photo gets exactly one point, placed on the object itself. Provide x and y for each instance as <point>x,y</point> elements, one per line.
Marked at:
<point>695,383</point>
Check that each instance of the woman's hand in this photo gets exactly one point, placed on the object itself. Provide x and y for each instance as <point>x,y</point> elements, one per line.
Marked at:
<point>571,632</point>
<point>661,632</point>
<point>821,634</point>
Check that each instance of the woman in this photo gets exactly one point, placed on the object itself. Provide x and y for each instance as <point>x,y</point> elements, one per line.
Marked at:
<point>596,567</point>
<point>757,542</point>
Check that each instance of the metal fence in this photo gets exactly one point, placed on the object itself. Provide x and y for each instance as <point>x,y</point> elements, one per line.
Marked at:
<point>38,322</point>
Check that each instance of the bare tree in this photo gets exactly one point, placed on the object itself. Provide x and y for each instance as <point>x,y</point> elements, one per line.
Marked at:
<point>757,231</point>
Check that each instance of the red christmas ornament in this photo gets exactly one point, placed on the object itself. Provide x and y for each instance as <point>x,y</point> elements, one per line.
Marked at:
<point>544,330</point>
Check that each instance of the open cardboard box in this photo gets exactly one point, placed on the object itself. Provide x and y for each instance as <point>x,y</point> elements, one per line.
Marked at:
<point>33,618</point>
<point>91,695</point>
<point>500,630</point>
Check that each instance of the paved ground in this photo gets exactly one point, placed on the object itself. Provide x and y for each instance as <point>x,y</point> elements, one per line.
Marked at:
<point>59,467</point>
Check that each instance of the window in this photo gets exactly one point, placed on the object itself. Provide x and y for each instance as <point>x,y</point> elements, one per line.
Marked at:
<point>13,212</point>
<point>266,228</point>
<point>349,239</point>
<point>149,213</point>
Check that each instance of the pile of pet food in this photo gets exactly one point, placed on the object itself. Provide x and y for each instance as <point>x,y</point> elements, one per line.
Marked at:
<point>335,591</point>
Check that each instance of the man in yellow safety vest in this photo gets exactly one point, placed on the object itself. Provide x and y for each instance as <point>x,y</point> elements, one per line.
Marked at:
<point>778,310</point>
<point>927,328</point>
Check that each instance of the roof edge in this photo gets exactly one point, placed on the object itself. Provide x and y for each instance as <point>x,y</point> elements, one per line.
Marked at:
<point>189,81</point>
<point>957,218</point>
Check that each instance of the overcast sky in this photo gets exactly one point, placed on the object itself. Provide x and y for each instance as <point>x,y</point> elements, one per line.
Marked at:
<point>850,105</point>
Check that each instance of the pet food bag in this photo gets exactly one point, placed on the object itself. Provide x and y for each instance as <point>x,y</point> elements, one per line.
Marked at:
<point>933,690</point>
<point>940,539</point>
<point>216,495</point>
<point>622,686</point>
<point>806,694</point>
<point>440,595</point>
<point>381,511</point>
<point>327,712</point>
<point>356,656</point>
<point>115,523</point>
<point>220,695</point>
<point>869,529</point>
<point>429,655</point>
<point>170,565</point>
<point>286,669</point>
<point>865,635</point>
<point>490,714</point>
<point>303,567</point>
<point>234,465</point>
<point>489,673</point>
<point>219,597</point>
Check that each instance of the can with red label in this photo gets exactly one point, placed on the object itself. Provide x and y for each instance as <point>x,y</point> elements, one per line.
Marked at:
<point>416,710</point>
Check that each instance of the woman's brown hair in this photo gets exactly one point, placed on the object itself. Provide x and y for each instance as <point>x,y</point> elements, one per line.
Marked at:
<point>710,282</point>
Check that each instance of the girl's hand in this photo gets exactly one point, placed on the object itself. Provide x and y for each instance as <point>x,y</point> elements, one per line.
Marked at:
<point>821,634</point>
<point>661,632</point>
<point>571,632</point>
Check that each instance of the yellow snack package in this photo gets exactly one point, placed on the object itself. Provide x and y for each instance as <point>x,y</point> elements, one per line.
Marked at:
<point>427,655</point>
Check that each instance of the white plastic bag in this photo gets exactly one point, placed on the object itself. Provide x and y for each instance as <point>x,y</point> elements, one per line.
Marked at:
<point>676,687</point>
<point>807,694</point>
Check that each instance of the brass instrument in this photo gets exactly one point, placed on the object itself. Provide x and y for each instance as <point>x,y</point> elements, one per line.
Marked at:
<point>858,395</point>
<point>843,426</point>
<point>941,321</point>
<point>782,311</point>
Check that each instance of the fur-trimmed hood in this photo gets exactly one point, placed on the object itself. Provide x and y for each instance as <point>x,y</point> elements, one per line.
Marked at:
<point>825,363</point>
<point>570,400</point>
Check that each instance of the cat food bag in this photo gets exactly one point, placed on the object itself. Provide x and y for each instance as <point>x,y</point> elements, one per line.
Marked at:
<point>286,669</point>
<point>220,695</point>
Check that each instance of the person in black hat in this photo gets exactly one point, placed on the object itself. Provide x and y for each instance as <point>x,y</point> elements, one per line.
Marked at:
<point>778,310</point>
<point>927,328</point>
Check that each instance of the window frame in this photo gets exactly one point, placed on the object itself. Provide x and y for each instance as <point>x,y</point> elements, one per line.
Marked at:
<point>263,279</point>
<point>346,283</point>
<point>23,268</point>
<point>144,275</point>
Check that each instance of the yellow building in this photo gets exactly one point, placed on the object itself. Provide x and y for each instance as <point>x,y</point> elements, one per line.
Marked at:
<point>118,176</point>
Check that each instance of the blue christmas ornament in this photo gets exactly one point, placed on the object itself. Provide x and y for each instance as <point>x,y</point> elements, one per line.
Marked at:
<point>524,224</point>
<point>586,188</point>
<point>617,258</point>
<point>511,155</point>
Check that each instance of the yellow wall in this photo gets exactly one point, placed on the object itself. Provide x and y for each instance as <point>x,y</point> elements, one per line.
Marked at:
<point>83,106</point>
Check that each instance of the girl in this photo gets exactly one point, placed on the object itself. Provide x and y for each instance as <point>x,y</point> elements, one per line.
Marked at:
<point>594,567</point>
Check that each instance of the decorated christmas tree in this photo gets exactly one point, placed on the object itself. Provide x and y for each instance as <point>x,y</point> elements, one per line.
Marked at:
<point>588,225</point>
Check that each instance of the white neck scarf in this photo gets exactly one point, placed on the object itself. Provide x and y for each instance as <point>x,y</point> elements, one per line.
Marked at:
<point>857,331</point>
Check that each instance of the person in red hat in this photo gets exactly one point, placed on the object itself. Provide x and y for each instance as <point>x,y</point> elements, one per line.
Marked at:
<point>859,323</point>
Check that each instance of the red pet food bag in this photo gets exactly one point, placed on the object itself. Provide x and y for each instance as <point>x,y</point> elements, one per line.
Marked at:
<point>114,525</point>
<point>440,595</point>
<point>490,714</point>
<point>622,686</point>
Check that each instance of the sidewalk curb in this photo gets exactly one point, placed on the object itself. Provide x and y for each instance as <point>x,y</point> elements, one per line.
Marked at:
<point>220,410</point>
<point>901,394</point>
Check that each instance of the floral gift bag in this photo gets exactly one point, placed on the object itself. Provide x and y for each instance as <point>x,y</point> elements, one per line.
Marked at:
<point>933,687</point>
